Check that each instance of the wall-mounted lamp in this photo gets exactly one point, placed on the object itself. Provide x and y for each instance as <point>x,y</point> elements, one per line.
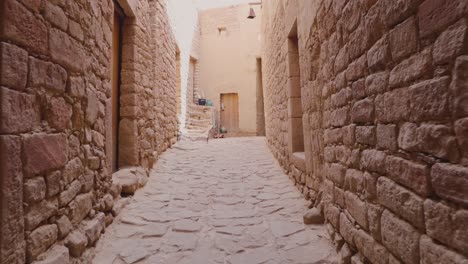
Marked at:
<point>251,14</point>
<point>252,11</point>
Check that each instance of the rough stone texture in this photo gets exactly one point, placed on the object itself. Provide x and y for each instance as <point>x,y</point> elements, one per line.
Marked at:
<point>384,99</point>
<point>55,255</point>
<point>40,240</point>
<point>44,152</point>
<point>12,242</point>
<point>221,214</point>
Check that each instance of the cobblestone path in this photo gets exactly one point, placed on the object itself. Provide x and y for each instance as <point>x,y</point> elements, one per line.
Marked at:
<point>227,201</point>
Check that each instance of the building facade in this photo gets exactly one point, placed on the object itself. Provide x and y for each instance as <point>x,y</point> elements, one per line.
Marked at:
<point>87,87</point>
<point>366,108</point>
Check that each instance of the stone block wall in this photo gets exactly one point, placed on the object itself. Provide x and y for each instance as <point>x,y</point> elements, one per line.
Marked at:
<point>56,193</point>
<point>384,91</point>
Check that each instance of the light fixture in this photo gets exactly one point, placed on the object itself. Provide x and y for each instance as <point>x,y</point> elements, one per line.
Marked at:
<point>252,11</point>
<point>251,14</point>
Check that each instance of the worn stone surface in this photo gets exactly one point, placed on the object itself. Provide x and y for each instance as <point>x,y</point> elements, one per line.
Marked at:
<point>384,99</point>
<point>55,255</point>
<point>40,240</point>
<point>221,212</point>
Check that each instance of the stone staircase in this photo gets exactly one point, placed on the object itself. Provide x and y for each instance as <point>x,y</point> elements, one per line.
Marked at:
<point>199,123</point>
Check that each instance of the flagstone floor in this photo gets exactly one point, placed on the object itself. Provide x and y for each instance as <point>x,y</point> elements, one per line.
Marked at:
<point>227,201</point>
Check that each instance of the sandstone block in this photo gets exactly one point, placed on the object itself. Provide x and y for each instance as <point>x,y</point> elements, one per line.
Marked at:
<point>357,208</point>
<point>59,114</point>
<point>14,71</point>
<point>55,255</point>
<point>72,171</point>
<point>461,132</point>
<point>373,161</point>
<point>64,226</point>
<point>339,197</point>
<point>340,99</point>
<point>108,202</point>
<point>370,181</point>
<point>439,224</point>
<point>19,112</point>
<point>67,51</point>
<point>434,253</point>
<point>67,195</point>
<point>400,238</point>
<point>76,87</point>
<point>387,137</point>
<point>354,181</point>
<point>53,181</point>
<point>34,190</point>
<point>370,248</point>
<point>339,117</point>
<point>76,243</point>
<point>365,135</point>
<point>396,11</point>
<point>87,183</point>
<point>341,60</point>
<point>374,212</point>
<point>75,30</point>
<point>332,215</point>
<point>411,69</point>
<point>401,202</point>
<point>55,15</point>
<point>363,111</point>
<point>44,152</point>
<point>458,87</point>
<point>94,228</point>
<point>378,55</point>
<point>46,74</point>
<point>24,28</point>
<point>38,213</point>
<point>358,89</point>
<point>404,39</point>
<point>435,15</point>
<point>377,83</point>
<point>357,69</point>
<point>429,100</point>
<point>436,140</point>
<point>313,216</point>
<point>40,240</point>
<point>80,207</point>
<point>336,173</point>
<point>347,229</point>
<point>450,43</point>
<point>450,182</point>
<point>409,174</point>
<point>12,244</point>
<point>392,106</point>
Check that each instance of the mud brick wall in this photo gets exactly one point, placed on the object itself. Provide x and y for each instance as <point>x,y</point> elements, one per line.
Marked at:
<point>385,104</point>
<point>55,56</point>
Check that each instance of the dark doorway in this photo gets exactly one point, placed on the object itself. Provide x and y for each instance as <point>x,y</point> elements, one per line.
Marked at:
<point>260,101</point>
<point>119,17</point>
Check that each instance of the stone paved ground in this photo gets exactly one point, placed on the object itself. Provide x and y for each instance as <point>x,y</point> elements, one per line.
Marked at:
<point>223,202</point>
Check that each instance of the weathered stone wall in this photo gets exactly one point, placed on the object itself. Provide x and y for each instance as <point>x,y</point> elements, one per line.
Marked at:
<point>384,106</point>
<point>55,185</point>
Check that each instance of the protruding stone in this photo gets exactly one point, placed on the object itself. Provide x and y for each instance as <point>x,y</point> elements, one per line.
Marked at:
<point>55,255</point>
<point>76,243</point>
<point>64,226</point>
<point>19,112</point>
<point>313,217</point>
<point>40,240</point>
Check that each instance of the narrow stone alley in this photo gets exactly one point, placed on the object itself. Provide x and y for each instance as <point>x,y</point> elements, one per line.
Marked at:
<point>227,201</point>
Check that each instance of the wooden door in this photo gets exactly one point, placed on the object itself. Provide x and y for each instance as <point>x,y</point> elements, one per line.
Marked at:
<point>116,57</point>
<point>230,112</point>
